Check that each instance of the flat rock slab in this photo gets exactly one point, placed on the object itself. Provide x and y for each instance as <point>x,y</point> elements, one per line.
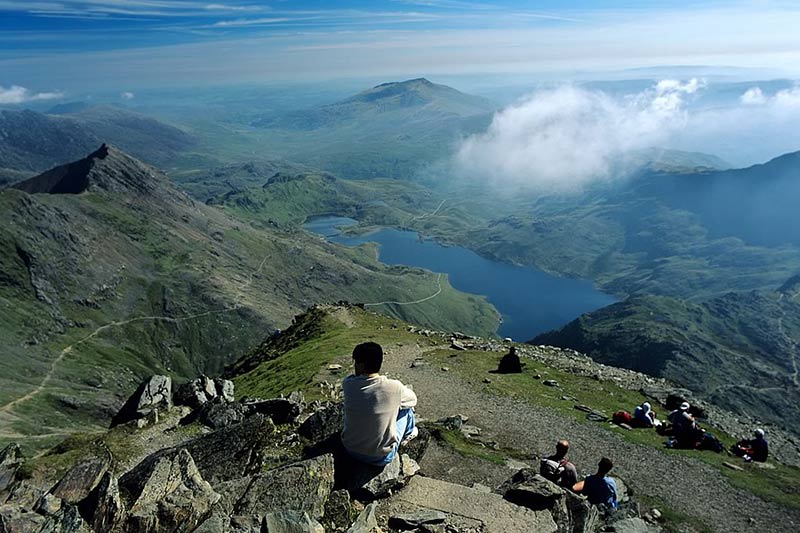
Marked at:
<point>468,505</point>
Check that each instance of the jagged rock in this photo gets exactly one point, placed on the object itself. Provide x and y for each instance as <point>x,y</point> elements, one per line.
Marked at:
<point>80,480</point>
<point>48,504</point>
<point>550,383</point>
<point>166,492</point>
<point>416,519</point>
<point>291,522</point>
<point>228,453</point>
<point>302,486</point>
<point>12,520</point>
<point>457,345</point>
<point>222,519</point>
<point>224,389</point>
<point>372,482</point>
<point>66,520</point>
<point>10,461</point>
<point>103,508</point>
<point>454,423</point>
<point>417,447</point>
<point>11,455</point>
<point>25,495</point>
<point>280,410</point>
<point>572,513</point>
<point>154,393</point>
<point>366,521</point>
<point>218,414</point>
<point>337,510</point>
<point>196,392</point>
<point>324,423</point>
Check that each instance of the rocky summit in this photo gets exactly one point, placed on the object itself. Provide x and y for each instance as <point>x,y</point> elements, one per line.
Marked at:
<point>106,169</point>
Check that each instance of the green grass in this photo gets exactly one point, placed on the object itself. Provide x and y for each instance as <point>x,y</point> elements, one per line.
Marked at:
<point>296,369</point>
<point>778,485</point>
<point>468,448</point>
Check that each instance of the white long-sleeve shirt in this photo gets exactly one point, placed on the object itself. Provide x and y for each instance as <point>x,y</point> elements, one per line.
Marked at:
<point>371,405</point>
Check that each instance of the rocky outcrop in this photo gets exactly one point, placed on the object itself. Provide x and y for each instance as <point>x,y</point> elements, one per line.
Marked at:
<point>81,480</point>
<point>103,508</point>
<point>280,410</point>
<point>325,422</point>
<point>166,493</point>
<point>198,391</point>
<point>291,522</point>
<point>303,487</point>
<point>10,461</point>
<point>373,482</point>
<point>571,512</point>
<point>154,393</point>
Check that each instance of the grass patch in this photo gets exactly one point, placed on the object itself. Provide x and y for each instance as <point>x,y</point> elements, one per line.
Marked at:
<point>468,448</point>
<point>673,521</point>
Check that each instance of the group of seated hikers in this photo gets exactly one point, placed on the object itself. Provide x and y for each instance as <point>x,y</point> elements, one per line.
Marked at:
<point>684,432</point>
<point>379,418</point>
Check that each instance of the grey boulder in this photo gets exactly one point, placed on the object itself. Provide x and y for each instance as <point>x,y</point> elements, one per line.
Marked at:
<point>154,393</point>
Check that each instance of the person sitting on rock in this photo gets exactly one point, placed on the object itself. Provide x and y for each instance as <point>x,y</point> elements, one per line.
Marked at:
<point>756,449</point>
<point>510,363</point>
<point>683,423</point>
<point>645,417</point>
<point>557,467</point>
<point>599,488</point>
<point>378,413</point>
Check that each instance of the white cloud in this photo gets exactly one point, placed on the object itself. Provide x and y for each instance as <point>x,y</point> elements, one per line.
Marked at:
<point>753,96</point>
<point>567,137</point>
<point>19,95</point>
<point>127,95</point>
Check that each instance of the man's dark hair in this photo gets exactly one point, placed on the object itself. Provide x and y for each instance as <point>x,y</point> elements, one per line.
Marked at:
<point>605,466</point>
<point>369,355</point>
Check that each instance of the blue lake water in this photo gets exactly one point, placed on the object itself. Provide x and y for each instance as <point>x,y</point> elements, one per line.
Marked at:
<point>530,301</point>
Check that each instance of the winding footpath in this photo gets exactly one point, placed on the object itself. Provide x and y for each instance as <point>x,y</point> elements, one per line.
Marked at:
<point>7,408</point>
<point>431,297</point>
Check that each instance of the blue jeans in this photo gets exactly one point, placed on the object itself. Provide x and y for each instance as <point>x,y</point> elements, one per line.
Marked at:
<point>406,421</point>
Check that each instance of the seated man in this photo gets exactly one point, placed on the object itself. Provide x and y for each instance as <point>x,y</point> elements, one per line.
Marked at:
<point>644,416</point>
<point>557,467</point>
<point>599,488</point>
<point>756,449</point>
<point>377,410</point>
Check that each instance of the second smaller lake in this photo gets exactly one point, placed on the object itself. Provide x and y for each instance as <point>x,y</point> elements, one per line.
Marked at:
<point>529,300</point>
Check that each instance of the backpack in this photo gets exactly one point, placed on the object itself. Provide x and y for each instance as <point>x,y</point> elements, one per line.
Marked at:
<point>621,417</point>
<point>550,469</point>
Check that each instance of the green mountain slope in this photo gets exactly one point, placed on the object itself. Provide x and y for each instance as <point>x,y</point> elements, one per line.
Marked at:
<point>129,276</point>
<point>740,351</point>
<point>390,131</point>
<point>32,141</point>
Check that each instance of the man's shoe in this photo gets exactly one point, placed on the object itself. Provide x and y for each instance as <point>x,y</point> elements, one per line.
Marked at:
<point>411,436</point>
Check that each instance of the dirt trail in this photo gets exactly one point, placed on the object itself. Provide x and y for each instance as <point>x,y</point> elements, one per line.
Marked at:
<point>685,484</point>
<point>431,297</point>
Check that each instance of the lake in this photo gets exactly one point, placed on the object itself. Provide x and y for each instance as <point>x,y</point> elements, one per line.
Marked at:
<point>529,300</point>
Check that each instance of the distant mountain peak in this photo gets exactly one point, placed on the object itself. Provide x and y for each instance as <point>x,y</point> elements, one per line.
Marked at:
<point>107,168</point>
<point>416,81</point>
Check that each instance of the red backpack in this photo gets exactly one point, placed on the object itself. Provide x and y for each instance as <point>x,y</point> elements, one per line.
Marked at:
<point>621,417</point>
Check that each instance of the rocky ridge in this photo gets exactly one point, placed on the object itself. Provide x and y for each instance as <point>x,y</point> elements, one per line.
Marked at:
<point>276,466</point>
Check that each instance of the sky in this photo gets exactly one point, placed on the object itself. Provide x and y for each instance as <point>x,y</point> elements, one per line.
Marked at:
<point>52,47</point>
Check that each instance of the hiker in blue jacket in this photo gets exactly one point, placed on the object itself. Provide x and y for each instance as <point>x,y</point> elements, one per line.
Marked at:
<point>599,488</point>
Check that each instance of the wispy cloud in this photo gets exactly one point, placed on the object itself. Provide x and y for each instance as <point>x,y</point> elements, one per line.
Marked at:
<point>20,95</point>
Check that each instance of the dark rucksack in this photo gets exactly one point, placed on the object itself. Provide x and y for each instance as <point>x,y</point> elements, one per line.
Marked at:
<point>550,469</point>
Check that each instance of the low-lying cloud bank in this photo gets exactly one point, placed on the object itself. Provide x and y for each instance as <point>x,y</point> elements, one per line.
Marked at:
<point>566,138</point>
<point>20,95</point>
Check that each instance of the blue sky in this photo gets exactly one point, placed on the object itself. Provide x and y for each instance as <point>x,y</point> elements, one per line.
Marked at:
<point>69,45</point>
